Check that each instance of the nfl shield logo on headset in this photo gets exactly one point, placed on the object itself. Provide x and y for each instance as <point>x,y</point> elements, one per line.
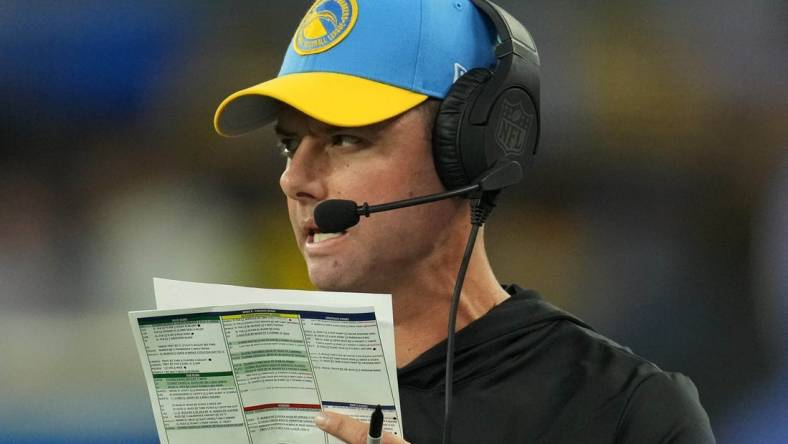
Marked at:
<point>513,127</point>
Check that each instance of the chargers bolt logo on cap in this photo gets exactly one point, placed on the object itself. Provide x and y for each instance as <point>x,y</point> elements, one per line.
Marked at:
<point>325,24</point>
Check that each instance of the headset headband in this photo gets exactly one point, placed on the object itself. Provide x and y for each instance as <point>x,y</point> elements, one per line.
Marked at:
<point>514,38</point>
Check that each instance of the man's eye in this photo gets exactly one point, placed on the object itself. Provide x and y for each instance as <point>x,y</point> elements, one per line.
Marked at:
<point>345,140</point>
<point>287,147</point>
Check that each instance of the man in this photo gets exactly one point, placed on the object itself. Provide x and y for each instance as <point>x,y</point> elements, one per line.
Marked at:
<point>355,103</point>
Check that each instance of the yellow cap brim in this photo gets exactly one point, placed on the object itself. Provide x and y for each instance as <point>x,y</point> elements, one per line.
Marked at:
<point>332,98</point>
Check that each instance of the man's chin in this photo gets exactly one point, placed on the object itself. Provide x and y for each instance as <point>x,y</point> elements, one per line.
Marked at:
<point>336,280</point>
<point>331,280</point>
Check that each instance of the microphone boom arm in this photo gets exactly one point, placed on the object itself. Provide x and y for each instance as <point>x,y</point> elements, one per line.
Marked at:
<point>336,215</point>
<point>503,174</point>
<point>366,209</point>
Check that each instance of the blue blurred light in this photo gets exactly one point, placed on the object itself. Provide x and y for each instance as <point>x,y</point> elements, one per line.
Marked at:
<point>117,439</point>
<point>85,62</point>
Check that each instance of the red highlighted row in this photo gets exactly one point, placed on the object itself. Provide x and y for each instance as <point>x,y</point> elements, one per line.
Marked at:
<point>252,408</point>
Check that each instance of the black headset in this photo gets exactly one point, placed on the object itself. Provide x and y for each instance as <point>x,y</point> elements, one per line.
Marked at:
<point>490,117</point>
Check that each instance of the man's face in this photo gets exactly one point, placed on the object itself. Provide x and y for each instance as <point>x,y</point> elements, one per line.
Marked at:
<point>376,164</point>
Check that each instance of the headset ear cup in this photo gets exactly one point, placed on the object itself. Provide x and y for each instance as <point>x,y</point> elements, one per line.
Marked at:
<point>446,151</point>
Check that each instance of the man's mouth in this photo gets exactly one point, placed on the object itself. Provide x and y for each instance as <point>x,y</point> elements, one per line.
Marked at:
<point>315,237</point>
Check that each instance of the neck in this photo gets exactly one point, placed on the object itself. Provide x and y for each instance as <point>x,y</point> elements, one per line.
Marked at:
<point>422,302</point>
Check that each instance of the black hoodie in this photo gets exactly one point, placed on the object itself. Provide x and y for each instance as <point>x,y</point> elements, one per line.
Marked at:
<point>527,372</point>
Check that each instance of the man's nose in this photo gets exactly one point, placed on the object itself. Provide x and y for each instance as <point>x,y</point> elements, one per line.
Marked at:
<point>303,178</point>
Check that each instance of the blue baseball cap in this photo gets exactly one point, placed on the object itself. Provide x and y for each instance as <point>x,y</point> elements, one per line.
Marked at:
<point>359,62</point>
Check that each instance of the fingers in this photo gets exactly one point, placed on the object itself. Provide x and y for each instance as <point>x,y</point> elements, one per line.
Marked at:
<point>343,427</point>
<point>350,430</point>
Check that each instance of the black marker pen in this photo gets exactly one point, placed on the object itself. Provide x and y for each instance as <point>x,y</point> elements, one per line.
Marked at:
<point>375,426</point>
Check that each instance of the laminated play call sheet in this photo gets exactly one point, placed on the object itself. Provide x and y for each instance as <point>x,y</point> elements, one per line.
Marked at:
<point>260,373</point>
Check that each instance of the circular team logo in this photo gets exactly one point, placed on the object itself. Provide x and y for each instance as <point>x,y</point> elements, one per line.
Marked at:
<point>325,24</point>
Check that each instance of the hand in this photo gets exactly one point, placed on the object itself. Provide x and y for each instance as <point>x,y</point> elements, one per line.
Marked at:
<point>350,430</point>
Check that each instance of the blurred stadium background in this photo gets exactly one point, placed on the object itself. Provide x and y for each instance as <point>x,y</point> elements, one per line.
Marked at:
<point>657,211</point>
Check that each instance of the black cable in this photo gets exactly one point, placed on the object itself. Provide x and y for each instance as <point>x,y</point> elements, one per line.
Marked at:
<point>480,209</point>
